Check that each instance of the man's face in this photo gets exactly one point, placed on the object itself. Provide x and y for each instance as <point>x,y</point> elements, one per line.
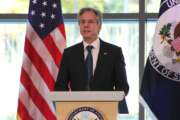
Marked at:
<point>89,25</point>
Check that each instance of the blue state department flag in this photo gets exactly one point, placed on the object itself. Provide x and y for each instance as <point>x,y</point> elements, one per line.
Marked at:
<point>160,88</point>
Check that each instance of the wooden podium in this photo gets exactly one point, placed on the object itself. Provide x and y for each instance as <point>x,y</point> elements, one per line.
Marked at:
<point>87,105</point>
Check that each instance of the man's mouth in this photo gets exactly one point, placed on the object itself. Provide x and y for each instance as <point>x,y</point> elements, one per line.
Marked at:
<point>86,31</point>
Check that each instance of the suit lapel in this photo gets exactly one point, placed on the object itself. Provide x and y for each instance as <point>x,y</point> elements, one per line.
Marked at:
<point>82,67</point>
<point>81,52</point>
<point>100,61</point>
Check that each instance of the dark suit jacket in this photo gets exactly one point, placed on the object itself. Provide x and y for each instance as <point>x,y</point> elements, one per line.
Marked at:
<point>109,75</point>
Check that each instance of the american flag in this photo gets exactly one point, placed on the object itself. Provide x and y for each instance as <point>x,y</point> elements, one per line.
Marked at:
<point>44,44</point>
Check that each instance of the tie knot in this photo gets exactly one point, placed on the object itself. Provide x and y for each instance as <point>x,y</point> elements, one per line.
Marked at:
<point>89,48</point>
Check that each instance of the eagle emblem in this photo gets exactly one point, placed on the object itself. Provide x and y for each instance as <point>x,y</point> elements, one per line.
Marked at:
<point>172,39</point>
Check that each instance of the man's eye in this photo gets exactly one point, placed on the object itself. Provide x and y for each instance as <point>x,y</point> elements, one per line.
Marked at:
<point>87,21</point>
<point>82,21</point>
<point>91,21</point>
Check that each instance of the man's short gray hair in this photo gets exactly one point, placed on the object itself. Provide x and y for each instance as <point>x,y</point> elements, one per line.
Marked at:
<point>95,11</point>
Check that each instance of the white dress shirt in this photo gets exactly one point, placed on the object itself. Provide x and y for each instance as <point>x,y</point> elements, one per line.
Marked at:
<point>95,51</point>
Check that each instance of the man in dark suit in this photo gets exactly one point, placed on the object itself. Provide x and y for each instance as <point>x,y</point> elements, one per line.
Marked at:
<point>102,68</point>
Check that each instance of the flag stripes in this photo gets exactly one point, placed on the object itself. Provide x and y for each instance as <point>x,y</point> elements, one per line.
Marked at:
<point>36,97</point>
<point>33,112</point>
<point>42,51</point>
<point>37,80</point>
<point>59,37</point>
<point>37,61</point>
<point>52,48</point>
<point>23,112</point>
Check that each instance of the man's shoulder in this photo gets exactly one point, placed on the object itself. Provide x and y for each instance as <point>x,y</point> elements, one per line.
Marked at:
<point>110,46</point>
<point>75,47</point>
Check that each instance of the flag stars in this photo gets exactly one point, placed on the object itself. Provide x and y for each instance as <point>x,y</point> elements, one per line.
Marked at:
<point>53,16</point>
<point>54,5</point>
<point>43,14</point>
<point>34,1</point>
<point>44,3</point>
<point>33,12</point>
<point>41,25</point>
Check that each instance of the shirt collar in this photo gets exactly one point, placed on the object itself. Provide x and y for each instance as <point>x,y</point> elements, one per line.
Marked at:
<point>95,44</point>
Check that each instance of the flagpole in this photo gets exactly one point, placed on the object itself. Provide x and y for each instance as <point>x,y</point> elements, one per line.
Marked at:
<point>141,49</point>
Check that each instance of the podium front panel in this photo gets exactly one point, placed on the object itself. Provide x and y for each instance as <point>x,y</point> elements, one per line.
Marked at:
<point>71,111</point>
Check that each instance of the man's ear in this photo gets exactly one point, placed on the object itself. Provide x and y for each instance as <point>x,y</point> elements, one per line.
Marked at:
<point>100,28</point>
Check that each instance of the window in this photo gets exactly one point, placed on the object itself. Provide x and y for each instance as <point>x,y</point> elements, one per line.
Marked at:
<point>152,6</point>
<point>15,6</point>
<point>150,26</point>
<point>11,51</point>
<point>106,6</point>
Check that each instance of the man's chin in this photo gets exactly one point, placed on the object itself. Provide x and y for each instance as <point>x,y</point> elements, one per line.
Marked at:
<point>87,37</point>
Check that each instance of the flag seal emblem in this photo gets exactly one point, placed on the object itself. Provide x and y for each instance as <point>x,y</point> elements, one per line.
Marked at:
<point>165,56</point>
<point>85,113</point>
<point>172,40</point>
